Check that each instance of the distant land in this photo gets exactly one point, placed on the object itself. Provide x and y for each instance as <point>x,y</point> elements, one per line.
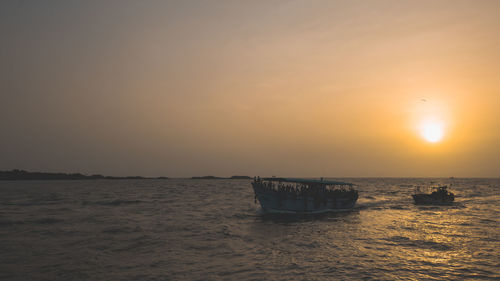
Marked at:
<point>25,175</point>
<point>219,178</point>
<point>241,178</point>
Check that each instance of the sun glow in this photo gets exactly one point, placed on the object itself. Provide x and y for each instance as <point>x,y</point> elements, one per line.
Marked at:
<point>432,131</point>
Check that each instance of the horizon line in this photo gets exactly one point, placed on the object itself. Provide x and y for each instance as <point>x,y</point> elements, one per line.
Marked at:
<point>242,175</point>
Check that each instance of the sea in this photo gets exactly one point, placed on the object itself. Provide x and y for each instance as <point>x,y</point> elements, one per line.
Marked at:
<point>184,229</point>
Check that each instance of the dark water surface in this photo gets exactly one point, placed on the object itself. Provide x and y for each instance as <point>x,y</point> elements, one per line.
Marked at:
<point>212,230</point>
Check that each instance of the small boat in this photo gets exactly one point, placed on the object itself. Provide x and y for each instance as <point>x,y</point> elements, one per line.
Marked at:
<point>440,196</point>
<point>292,195</point>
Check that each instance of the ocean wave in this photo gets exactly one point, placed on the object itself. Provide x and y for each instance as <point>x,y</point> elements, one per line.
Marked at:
<point>422,244</point>
<point>7,222</point>
<point>115,202</point>
<point>122,230</point>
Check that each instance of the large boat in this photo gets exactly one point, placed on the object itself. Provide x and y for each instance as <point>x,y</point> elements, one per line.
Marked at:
<point>440,196</point>
<point>291,195</point>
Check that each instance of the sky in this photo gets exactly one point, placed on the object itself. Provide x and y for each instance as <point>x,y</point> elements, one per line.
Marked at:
<point>285,88</point>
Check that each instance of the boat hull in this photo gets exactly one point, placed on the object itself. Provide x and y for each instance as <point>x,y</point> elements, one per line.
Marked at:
<point>428,199</point>
<point>275,202</point>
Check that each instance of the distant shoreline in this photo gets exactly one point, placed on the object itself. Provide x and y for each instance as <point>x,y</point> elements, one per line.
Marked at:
<point>26,175</point>
<point>220,178</point>
<point>17,175</point>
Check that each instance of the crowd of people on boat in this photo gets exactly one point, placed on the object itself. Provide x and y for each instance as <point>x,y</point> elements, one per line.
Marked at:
<point>315,190</point>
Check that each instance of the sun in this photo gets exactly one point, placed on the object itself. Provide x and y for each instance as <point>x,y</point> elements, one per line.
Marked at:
<point>432,131</point>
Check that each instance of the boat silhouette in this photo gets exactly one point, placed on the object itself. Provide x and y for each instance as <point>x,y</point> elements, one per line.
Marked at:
<point>292,195</point>
<point>440,196</point>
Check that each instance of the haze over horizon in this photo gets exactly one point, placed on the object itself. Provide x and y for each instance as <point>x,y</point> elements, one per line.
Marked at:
<point>285,88</point>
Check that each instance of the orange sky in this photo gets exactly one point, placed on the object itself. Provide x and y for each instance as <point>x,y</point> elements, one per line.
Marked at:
<point>286,88</point>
